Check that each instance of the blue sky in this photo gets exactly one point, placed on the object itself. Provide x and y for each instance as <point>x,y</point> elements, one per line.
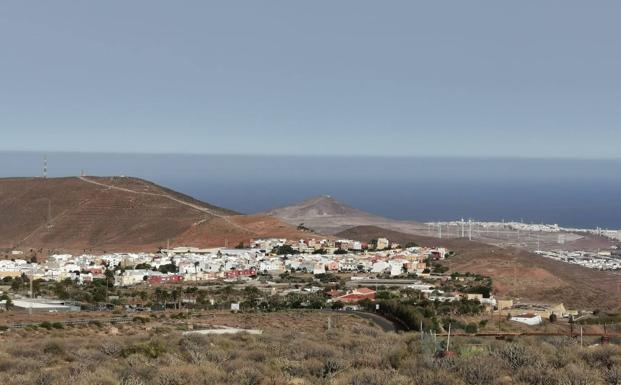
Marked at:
<point>444,78</point>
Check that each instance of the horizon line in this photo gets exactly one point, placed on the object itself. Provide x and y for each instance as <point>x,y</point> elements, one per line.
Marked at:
<point>305,155</point>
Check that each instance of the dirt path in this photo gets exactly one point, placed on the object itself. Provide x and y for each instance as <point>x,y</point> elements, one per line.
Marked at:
<point>192,205</point>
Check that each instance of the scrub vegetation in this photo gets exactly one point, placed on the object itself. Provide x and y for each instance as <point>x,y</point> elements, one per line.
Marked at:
<point>358,355</point>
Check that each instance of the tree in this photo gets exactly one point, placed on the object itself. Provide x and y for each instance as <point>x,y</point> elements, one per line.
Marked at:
<point>109,277</point>
<point>168,268</point>
<point>553,317</point>
<point>100,294</point>
<point>8,305</point>
<point>284,250</point>
<point>17,284</point>
<point>471,328</point>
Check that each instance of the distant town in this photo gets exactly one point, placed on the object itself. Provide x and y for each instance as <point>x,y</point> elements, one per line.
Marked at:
<point>471,227</point>
<point>379,269</point>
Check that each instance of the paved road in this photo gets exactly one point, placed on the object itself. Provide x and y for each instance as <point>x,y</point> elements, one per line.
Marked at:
<point>385,324</point>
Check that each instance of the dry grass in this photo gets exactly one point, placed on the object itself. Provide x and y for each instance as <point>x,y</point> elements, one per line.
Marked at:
<point>353,354</point>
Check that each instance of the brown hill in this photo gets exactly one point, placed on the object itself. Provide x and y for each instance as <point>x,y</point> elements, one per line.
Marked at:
<point>118,214</point>
<point>518,273</point>
<point>327,215</point>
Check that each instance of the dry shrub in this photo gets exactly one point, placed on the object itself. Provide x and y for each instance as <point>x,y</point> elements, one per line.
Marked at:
<point>478,370</point>
<point>187,375</point>
<point>13,365</point>
<point>247,375</point>
<point>613,375</point>
<point>373,377</point>
<point>111,348</point>
<point>563,357</point>
<point>102,376</point>
<point>579,375</point>
<point>516,356</point>
<point>312,367</point>
<point>602,356</point>
<point>366,331</point>
<point>537,375</point>
<point>396,356</point>
<point>132,379</point>
<point>436,377</point>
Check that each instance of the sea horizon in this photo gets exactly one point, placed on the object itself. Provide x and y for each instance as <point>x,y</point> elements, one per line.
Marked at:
<point>580,193</point>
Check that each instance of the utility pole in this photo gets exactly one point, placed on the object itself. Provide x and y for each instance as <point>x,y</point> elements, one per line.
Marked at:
<point>31,291</point>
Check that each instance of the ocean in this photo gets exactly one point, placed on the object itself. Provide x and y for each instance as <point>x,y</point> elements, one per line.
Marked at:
<point>571,193</point>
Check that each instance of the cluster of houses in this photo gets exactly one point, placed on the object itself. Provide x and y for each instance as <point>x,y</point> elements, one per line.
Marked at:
<point>600,260</point>
<point>533,314</point>
<point>316,256</point>
<point>329,246</point>
<point>384,264</point>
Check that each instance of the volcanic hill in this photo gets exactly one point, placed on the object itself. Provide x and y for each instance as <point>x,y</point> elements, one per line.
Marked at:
<point>119,214</point>
<point>327,215</point>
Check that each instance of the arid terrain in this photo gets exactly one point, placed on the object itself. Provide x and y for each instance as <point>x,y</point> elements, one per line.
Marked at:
<point>327,215</point>
<point>294,349</point>
<point>118,214</point>
<point>518,273</point>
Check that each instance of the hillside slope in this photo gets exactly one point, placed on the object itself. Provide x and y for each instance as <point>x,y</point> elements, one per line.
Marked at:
<point>327,215</point>
<point>517,273</point>
<point>115,214</point>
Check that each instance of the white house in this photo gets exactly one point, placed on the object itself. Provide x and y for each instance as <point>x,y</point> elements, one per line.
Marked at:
<point>528,319</point>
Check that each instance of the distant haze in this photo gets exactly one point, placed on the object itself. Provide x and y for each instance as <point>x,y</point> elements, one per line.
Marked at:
<point>582,193</point>
<point>356,77</point>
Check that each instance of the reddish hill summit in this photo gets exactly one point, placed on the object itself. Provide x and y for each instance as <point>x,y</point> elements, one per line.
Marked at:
<point>118,214</point>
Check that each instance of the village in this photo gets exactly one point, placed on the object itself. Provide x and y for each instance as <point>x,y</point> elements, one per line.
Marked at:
<point>600,260</point>
<point>379,276</point>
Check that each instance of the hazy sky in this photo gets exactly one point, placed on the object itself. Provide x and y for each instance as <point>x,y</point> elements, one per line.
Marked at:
<point>462,78</point>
